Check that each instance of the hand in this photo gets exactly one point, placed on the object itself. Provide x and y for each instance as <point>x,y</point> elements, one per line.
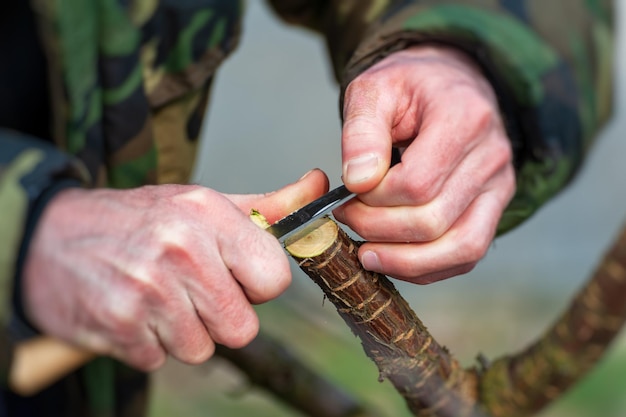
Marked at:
<point>433,215</point>
<point>170,269</point>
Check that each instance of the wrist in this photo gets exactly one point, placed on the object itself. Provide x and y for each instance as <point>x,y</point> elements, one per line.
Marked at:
<point>456,59</point>
<point>447,53</point>
<point>20,324</point>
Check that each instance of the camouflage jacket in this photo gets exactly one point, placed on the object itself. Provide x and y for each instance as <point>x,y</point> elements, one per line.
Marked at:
<point>128,83</point>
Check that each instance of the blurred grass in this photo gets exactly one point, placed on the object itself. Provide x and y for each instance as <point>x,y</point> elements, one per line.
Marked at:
<point>321,340</point>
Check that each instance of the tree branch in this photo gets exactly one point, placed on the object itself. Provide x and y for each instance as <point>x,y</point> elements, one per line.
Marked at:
<point>523,384</point>
<point>272,367</point>
<point>425,373</point>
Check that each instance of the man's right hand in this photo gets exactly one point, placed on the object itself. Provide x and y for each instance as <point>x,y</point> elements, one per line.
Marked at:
<point>171,269</point>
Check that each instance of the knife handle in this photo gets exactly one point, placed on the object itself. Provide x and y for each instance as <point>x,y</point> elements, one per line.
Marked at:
<point>40,362</point>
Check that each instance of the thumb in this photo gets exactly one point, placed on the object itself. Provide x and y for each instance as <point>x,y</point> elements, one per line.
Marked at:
<point>366,137</point>
<point>278,204</point>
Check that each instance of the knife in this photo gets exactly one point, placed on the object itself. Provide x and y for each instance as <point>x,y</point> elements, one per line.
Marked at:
<point>308,218</point>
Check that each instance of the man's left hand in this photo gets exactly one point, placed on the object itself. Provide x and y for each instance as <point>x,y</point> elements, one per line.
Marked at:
<point>433,215</point>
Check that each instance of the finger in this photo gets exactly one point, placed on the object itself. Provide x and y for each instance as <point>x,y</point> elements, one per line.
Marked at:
<point>138,346</point>
<point>146,357</point>
<point>125,335</point>
<point>427,222</point>
<point>223,307</point>
<point>280,203</point>
<point>255,259</point>
<point>366,139</point>
<point>448,133</point>
<point>397,224</point>
<point>456,252</point>
<point>182,332</point>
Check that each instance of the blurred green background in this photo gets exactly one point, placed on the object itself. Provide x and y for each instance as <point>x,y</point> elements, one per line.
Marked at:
<point>274,116</point>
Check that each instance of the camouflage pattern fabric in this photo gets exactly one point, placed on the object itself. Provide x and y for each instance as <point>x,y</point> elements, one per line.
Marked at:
<point>129,82</point>
<point>129,85</point>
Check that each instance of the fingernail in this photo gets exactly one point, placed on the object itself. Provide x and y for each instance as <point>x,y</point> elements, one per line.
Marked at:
<point>361,168</point>
<point>306,175</point>
<point>370,261</point>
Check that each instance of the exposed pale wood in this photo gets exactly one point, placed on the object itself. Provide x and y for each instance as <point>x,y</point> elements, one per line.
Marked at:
<point>316,242</point>
<point>39,362</point>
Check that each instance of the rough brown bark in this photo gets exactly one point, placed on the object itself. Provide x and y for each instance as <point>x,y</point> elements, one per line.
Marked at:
<point>523,384</point>
<point>425,373</point>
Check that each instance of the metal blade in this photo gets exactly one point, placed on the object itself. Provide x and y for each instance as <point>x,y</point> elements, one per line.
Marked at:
<point>304,220</point>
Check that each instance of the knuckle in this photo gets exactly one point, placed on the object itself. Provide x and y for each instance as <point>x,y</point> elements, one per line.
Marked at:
<point>431,226</point>
<point>262,268</point>
<point>145,291</point>
<point>362,227</point>
<point>363,82</point>
<point>501,151</point>
<point>124,319</point>
<point>355,224</point>
<point>241,335</point>
<point>149,358</point>
<point>174,250</point>
<point>419,191</point>
<point>235,323</point>
<point>193,194</point>
<point>125,315</point>
<point>276,282</point>
<point>482,114</point>
<point>361,96</point>
<point>509,180</point>
<point>197,355</point>
<point>471,249</point>
<point>171,239</point>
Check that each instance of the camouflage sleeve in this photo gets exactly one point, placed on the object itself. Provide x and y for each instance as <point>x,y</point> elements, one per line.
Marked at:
<point>550,63</point>
<point>31,171</point>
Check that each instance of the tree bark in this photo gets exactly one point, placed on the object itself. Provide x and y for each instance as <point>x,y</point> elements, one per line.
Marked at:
<point>431,381</point>
<point>523,384</point>
<point>424,372</point>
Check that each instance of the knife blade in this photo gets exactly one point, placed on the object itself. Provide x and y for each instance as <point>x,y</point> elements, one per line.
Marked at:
<point>308,218</point>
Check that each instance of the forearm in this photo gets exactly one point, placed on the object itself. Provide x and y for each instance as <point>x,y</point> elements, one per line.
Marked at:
<point>553,76</point>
